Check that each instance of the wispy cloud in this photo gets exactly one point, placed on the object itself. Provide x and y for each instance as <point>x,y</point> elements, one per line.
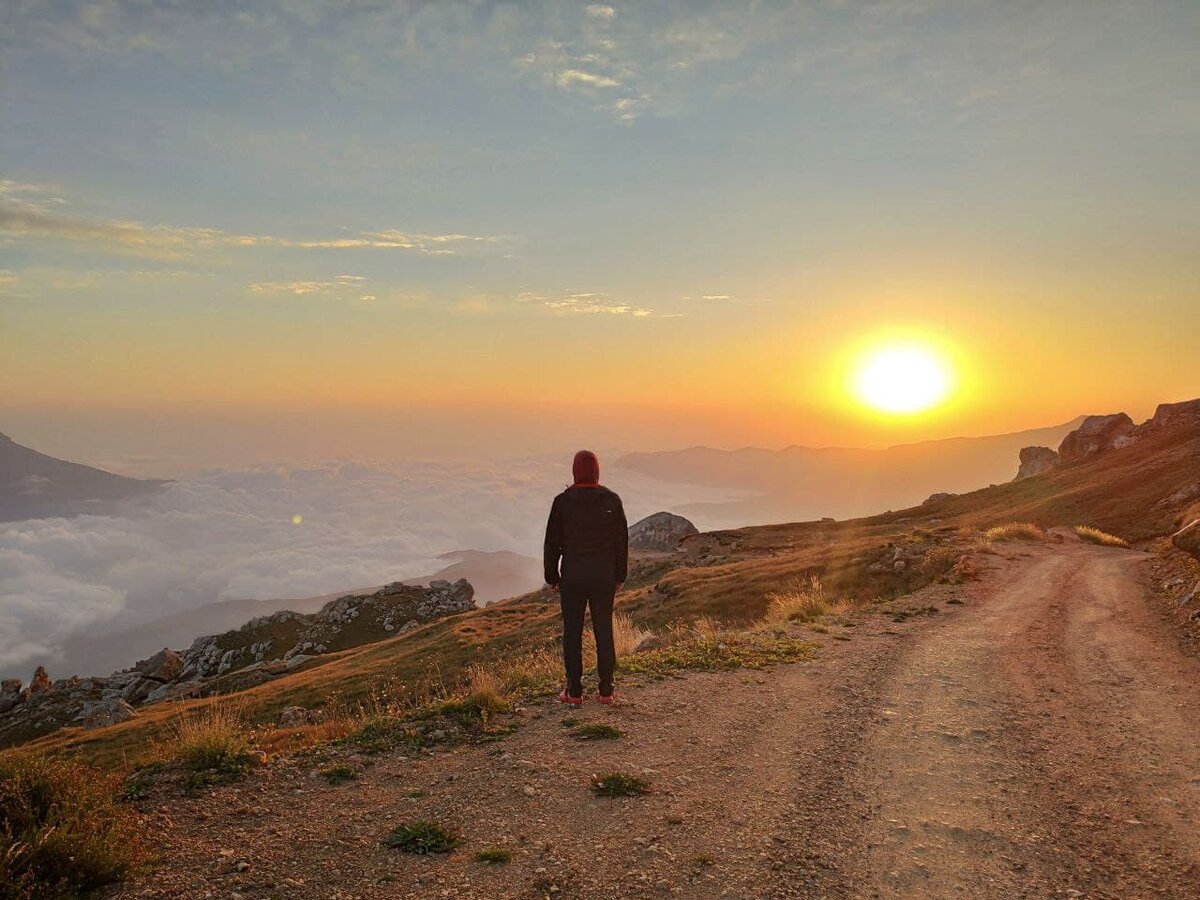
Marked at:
<point>341,287</point>
<point>25,213</point>
<point>583,303</point>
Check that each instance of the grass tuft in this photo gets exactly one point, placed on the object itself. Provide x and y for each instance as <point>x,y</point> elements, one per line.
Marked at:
<point>339,774</point>
<point>627,637</point>
<point>729,651</point>
<point>804,601</point>
<point>596,731</point>
<point>1103,538</point>
<point>1016,531</point>
<point>422,838</point>
<point>494,856</point>
<point>213,740</point>
<point>618,784</point>
<point>62,831</point>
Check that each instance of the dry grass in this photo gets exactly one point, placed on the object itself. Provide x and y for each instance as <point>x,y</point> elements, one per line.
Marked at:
<point>804,601</point>
<point>485,688</point>
<point>214,738</point>
<point>1016,531</point>
<point>62,831</point>
<point>1103,538</point>
<point>627,637</point>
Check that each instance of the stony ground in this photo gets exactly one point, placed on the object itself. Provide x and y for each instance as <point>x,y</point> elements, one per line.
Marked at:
<point>1039,738</point>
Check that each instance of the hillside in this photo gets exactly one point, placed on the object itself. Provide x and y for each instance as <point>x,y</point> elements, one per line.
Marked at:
<point>811,483</point>
<point>494,575</point>
<point>35,486</point>
<point>1139,491</point>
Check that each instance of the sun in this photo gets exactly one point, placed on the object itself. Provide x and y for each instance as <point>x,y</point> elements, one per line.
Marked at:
<point>902,379</point>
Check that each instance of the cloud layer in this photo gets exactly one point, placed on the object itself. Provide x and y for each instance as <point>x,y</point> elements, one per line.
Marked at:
<point>230,534</point>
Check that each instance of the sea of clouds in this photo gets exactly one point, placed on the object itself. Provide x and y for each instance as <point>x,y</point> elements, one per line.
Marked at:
<point>231,534</point>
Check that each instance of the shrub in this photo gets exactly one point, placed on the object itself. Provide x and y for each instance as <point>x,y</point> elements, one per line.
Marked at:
<point>804,601</point>
<point>423,838</point>
<point>62,831</point>
<point>486,690</point>
<point>618,784</point>
<point>214,740</point>
<point>339,773</point>
<point>1103,538</point>
<point>1016,531</point>
<point>494,856</point>
<point>596,731</point>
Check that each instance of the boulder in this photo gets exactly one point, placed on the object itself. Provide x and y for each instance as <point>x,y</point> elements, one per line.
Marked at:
<point>175,691</point>
<point>108,712</point>
<point>165,665</point>
<point>1187,538</point>
<point>10,687</point>
<point>1036,461</point>
<point>1171,414</point>
<point>40,683</point>
<point>298,717</point>
<point>938,498</point>
<point>661,532</point>
<point>1095,435</point>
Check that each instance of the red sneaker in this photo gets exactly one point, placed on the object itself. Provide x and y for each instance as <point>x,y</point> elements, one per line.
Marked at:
<point>611,698</point>
<point>564,697</point>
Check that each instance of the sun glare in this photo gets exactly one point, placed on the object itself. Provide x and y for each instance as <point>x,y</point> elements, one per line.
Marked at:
<point>902,380</point>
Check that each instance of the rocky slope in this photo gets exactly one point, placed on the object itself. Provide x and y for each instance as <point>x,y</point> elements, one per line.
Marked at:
<point>261,650</point>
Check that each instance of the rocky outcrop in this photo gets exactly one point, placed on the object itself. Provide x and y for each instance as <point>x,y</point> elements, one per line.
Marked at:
<point>661,532</point>
<point>1036,461</point>
<point>259,651</point>
<point>1096,434</point>
<point>1187,538</point>
<point>342,623</point>
<point>1168,415</point>
<point>938,498</point>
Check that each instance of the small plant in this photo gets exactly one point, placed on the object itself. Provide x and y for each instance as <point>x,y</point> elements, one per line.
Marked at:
<point>382,732</point>
<point>486,690</point>
<point>627,637</point>
<point>618,784</point>
<point>215,740</point>
<point>494,856</point>
<point>1016,531</point>
<point>339,774</point>
<point>804,601</point>
<point>570,722</point>
<point>62,830</point>
<point>1103,538</point>
<point>422,838</point>
<point>596,731</point>
<point>704,859</point>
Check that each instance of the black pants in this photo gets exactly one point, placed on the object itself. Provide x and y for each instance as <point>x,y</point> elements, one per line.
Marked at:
<point>576,595</point>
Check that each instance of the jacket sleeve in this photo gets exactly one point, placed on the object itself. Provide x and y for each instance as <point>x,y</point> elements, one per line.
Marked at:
<point>553,546</point>
<point>622,543</point>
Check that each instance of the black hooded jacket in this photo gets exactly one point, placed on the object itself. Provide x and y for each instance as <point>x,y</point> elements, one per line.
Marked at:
<point>588,532</point>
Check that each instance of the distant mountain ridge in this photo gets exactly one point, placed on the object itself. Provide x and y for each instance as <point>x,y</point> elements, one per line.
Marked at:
<point>36,486</point>
<point>806,483</point>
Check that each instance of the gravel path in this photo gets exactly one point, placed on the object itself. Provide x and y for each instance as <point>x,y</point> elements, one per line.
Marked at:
<point>1042,739</point>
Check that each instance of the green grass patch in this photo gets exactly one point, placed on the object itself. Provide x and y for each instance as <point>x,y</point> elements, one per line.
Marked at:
<point>596,731</point>
<point>494,856</point>
<point>380,733</point>
<point>339,774</point>
<point>722,652</point>
<point>618,784</point>
<point>422,838</point>
<point>63,831</point>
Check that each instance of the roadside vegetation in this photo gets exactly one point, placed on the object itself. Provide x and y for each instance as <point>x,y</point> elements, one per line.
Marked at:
<point>1016,531</point>
<point>1103,538</point>
<point>422,838</point>
<point>804,601</point>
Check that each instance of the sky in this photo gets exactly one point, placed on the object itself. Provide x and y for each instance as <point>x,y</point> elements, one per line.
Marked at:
<point>238,232</point>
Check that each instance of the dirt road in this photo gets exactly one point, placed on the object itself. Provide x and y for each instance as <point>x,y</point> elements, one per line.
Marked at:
<point>1040,739</point>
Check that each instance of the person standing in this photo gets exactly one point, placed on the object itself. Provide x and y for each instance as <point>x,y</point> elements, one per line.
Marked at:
<point>588,534</point>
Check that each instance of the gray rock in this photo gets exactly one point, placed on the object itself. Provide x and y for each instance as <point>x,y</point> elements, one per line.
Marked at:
<point>108,712</point>
<point>40,683</point>
<point>1095,435</point>
<point>1171,414</point>
<point>661,532</point>
<point>10,687</point>
<point>165,665</point>
<point>1187,538</point>
<point>1036,461</point>
<point>177,690</point>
